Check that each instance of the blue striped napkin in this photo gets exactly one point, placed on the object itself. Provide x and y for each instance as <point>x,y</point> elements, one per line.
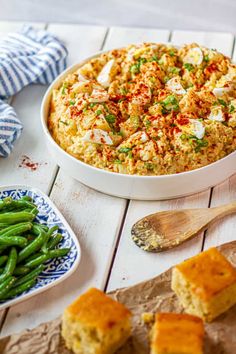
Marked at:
<point>31,56</point>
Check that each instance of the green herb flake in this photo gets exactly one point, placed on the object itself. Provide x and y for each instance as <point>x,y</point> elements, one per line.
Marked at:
<point>174,70</point>
<point>188,66</point>
<point>149,166</point>
<point>183,136</point>
<point>92,105</point>
<point>110,118</point>
<point>71,103</point>
<point>147,123</point>
<point>222,102</point>
<point>124,150</point>
<point>206,58</point>
<point>172,53</point>
<point>123,91</point>
<point>98,112</point>
<point>118,161</point>
<point>155,58</point>
<point>65,123</point>
<point>231,109</point>
<point>170,103</point>
<point>64,87</point>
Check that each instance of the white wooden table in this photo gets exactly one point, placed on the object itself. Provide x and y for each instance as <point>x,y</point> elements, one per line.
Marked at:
<point>102,223</point>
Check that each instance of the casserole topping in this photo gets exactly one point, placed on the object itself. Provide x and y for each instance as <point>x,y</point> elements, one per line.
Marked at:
<point>148,109</point>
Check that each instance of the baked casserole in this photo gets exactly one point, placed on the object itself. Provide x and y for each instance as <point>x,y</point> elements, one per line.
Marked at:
<point>148,109</point>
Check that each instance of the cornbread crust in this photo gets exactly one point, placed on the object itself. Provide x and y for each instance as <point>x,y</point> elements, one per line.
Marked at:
<point>205,284</point>
<point>177,333</point>
<point>95,324</point>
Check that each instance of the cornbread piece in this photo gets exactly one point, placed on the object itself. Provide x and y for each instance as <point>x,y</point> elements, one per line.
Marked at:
<point>177,334</point>
<point>205,284</point>
<point>95,324</point>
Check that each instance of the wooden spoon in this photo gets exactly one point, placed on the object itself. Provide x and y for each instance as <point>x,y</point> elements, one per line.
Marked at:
<point>167,229</point>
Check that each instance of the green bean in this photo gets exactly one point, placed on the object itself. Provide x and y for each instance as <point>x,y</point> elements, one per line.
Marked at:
<point>21,270</point>
<point>27,197</point>
<point>19,289</point>
<point>6,286</point>
<point>3,259</point>
<point>54,241</point>
<point>11,264</point>
<point>51,254</point>
<point>48,235</point>
<point>32,275</point>
<point>32,247</point>
<point>14,218</point>
<point>3,248</point>
<point>5,202</point>
<point>16,205</point>
<point>34,211</point>
<point>33,256</point>
<point>3,226</point>
<point>13,241</point>
<point>16,229</point>
<point>42,226</point>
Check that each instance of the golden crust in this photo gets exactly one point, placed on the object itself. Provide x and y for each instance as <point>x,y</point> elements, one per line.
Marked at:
<point>208,273</point>
<point>177,333</point>
<point>96,309</point>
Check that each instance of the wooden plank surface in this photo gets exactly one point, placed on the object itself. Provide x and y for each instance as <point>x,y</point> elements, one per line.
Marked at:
<point>102,223</point>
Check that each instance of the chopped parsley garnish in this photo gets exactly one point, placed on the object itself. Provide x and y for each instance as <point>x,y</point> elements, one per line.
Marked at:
<point>64,87</point>
<point>118,161</point>
<point>110,118</point>
<point>173,125</point>
<point>65,123</point>
<point>92,105</point>
<point>222,102</point>
<point>199,143</point>
<point>124,150</point>
<point>123,91</point>
<point>135,68</point>
<point>147,123</point>
<point>170,103</point>
<point>172,53</point>
<point>231,109</point>
<point>174,70</point>
<point>189,66</point>
<point>166,78</point>
<point>206,58</point>
<point>98,112</point>
<point>155,58</point>
<point>71,103</point>
<point>152,79</point>
<point>183,136</point>
<point>149,165</point>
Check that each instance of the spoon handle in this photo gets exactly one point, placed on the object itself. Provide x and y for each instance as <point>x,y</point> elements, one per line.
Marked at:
<point>225,210</point>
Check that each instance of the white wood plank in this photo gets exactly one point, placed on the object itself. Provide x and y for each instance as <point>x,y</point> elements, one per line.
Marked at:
<point>95,218</point>
<point>8,26</point>
<point>224,230</point>
<point>80,40</point>
<point>132,264</point>
<point>121,36</point>
<point>217,40</point>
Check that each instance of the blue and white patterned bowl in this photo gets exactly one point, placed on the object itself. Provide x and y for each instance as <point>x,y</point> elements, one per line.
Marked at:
<point>57,269</point>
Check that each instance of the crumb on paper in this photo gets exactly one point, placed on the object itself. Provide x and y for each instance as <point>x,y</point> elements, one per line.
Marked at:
<point>147,317</point>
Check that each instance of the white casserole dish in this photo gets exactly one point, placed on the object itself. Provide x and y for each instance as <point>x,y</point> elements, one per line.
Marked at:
<point>133,186</point>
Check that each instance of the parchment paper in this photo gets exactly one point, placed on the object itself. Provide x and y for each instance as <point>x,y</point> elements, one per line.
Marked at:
<point>149,296</point>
